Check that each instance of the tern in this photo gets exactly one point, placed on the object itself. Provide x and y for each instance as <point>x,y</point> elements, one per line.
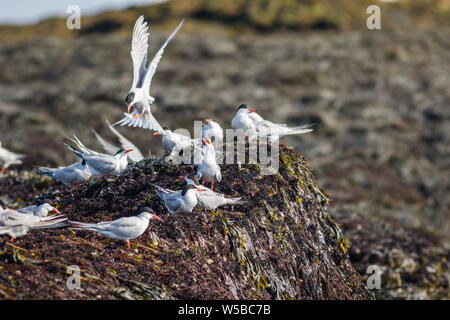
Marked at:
<point>8,158</point>
<point>173,143</point>
<point>209,170</point>
<point>252,123</point>
<point>121,229</point>
<point>102,164</point>
<point>138,99</point>
<point>12,218</point>
<point>243,121</point>
<point>213,131</point>
<point>176,202</point>
<point>14,231</point>
<point>74,174</point>
<point>208,198</point>
<point>135,155</point>
<point>39,210</point>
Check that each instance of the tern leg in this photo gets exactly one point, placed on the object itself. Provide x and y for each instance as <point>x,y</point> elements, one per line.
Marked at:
<point>3,170</point>
<point>212,185</point>
<point>128,244</point>
<point>12,239</point>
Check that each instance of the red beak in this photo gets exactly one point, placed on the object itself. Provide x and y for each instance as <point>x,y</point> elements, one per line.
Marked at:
<point>181,177</point>
<point>157,133</point>
<point>252,110</point>
<point>129,150</point>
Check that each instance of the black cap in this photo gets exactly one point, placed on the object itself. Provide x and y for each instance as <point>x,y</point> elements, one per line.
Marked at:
<point>242,106</point>
<point>119,151</point>
<point>146,209</point>
<point>186,188</point>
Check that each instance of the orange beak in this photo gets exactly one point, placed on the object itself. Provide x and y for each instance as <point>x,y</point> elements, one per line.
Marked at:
<point>157,133</point>
<point>56,210</point>
<point>129,107</point>
<point>252,110</point>
<point>157,218</point>
<point>200,190</point>
<point>181,177</point>
<point>129,150</point>
<point>208,120</point>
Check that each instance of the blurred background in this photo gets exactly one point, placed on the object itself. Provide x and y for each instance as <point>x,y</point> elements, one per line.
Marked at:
<point>380,98</point>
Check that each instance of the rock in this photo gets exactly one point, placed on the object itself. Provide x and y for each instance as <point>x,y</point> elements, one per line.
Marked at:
<point>281,245</point>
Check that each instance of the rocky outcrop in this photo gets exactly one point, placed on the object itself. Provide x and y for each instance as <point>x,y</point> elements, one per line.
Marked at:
<point>282,244</point>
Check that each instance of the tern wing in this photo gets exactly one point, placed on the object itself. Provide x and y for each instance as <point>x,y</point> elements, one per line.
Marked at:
<point>174,202</point>
<point>147,121</point>
<point>135,155</point>
<point>102,163</point>
<point>154,63</point>
<point>139,48</point>
<point>107,146</point>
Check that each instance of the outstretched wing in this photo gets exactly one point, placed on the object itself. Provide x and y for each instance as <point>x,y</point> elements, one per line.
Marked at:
<point>107,146</point>
<point>139,48</point>
<point>154,63</point>
<point>135,155</point>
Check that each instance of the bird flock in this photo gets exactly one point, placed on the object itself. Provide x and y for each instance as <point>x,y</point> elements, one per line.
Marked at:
<point>115,160</point>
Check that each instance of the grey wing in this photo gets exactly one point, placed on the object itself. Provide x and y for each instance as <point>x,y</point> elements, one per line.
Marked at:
<point>101,164</point>
<point>174,203</point>
<point>154,63</point>
<point>139,48</point>
<point>82,147</point>
<point>218,174</point>
<point>107,146</point>
<point>135,155</point>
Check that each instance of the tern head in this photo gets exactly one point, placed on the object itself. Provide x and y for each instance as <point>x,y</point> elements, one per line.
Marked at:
<point>148,213</point>
<point>122,152</point>
<point>245,109</point>
<point>45,208</point>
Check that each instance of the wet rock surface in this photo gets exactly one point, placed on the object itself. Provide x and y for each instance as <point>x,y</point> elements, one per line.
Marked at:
<point>281,245</point>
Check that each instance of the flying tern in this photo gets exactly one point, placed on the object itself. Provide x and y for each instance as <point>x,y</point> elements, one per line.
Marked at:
<point>138,99</point>
<point>135,155</point>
